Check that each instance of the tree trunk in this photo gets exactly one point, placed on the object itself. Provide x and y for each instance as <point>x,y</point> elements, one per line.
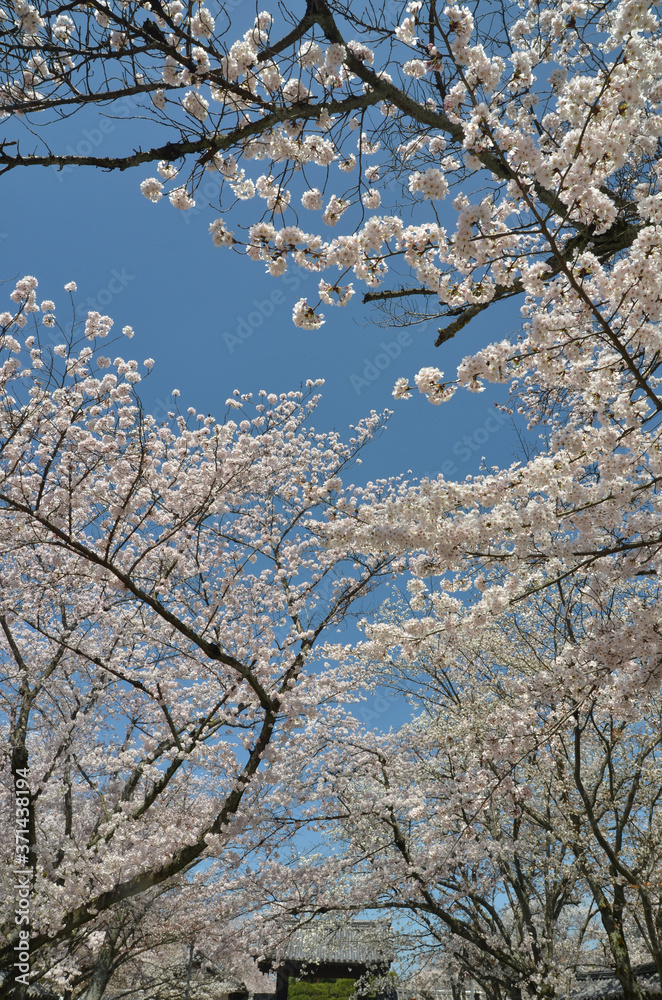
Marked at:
<point>104,966</point>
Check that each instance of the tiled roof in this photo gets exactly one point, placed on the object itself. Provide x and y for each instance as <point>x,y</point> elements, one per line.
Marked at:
<point>358,942</point>
<point>35,990</point>
<point>602,984</point>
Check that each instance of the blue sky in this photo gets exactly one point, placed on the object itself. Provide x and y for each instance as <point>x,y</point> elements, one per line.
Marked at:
<point>214,321</point>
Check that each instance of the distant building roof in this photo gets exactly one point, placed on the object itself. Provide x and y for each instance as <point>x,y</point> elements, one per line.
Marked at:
<point>602,984</point>
<point>367,943</point>
<point>35,990</point>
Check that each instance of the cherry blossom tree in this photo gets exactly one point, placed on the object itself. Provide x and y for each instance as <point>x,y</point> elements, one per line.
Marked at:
<point>553,106</point>
<point>515,818</point>
<point>165,587</point>
<point>545,121</point>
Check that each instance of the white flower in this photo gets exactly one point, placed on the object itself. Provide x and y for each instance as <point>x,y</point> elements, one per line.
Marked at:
<point>264,20</point>
<point>270,76</point>
<point>325,120</point>
<point>201,57</point>
<point>305,317</point>
<point>202,24</point>
<point>428,378</point>
<point>289,236</point>
<point>319,150</point>
<point>180,198</point>
<point>430,382</point>
<point>312,199</point>
<point>310,54</point>
<point>295,92</point>
<point>335,295</point>
<point>71,286</point>
<point>371,198</point>
<point>29,20</point>
<point>431,183</point>
<point>334,210</point>
<point>196,105</point>
<point>335,55</point>
<point>221,237</point>
<point>152,188</point>
<point>406,32</point>
<point>226,166</point>
<point>366,147</point>
<point>361,52</point>
<point>244,189</point>
<point>159,99</point>
<point>24,286</point>
<point>63,28</point>
<point>97,325</point>
<point>277,198</point>
<point>415,67</point>
<point>118,40</point>
<point>167,170</point>
<point>102,19</point>
<point>170,73</point>
<point>401,389</point>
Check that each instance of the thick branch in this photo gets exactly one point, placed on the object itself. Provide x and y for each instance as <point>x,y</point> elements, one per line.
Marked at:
<point>211,144</point>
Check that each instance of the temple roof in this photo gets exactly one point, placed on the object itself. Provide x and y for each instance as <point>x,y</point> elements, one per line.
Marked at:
<point>602,984</point>
<point>367,943</point>
<point>35,990</point>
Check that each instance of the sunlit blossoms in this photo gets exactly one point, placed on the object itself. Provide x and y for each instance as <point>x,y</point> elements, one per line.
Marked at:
<point>440,161</point>
<point>152,188</point>
<point>164,587</point>
<point>430,183</point>
<point>312,199</point>
<point>180,198</point>
<point>196,105</point>
<point>305,317</point>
